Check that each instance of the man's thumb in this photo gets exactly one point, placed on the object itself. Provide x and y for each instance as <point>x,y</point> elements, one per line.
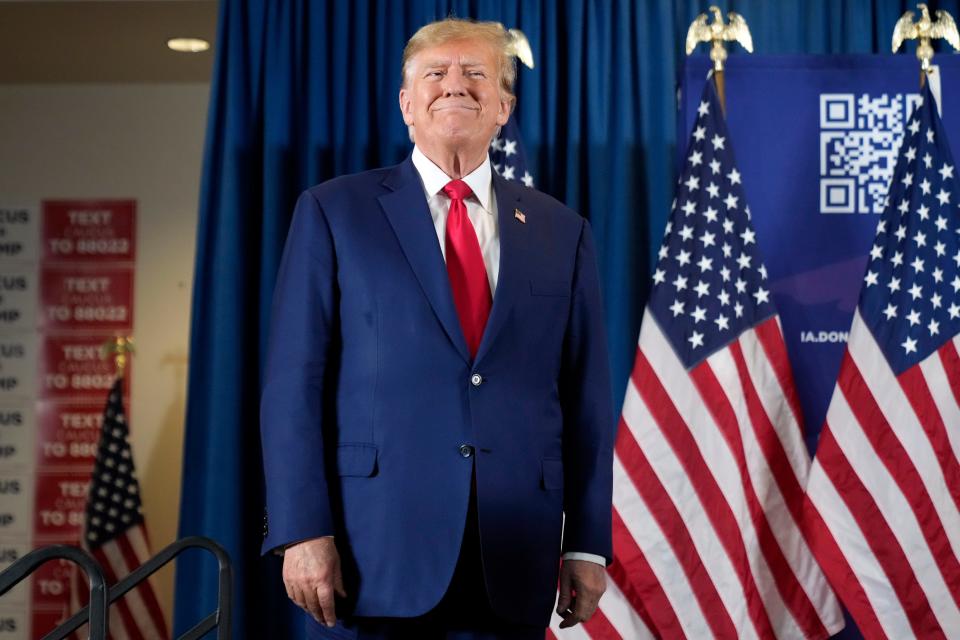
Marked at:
<point>565,597</point>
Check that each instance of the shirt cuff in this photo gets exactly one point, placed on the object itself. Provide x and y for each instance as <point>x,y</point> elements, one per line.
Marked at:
<point>589,557</point>
<point>279,550</point>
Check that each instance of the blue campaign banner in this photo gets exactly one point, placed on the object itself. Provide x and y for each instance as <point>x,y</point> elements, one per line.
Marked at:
<point>816,139</point>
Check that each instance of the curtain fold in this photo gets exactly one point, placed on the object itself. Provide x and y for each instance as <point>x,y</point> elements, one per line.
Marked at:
<point>306,90</point>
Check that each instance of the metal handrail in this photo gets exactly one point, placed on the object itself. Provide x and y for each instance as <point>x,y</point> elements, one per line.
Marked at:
<point>96,610</point>
<point>219,619</point>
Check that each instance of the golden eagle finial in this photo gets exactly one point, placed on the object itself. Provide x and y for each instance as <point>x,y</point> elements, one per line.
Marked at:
<point>925,30</point>
<point>717,32</point>
<point>120,347</point>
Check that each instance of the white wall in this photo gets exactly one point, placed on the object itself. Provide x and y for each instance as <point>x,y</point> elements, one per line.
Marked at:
<point>127,141</point>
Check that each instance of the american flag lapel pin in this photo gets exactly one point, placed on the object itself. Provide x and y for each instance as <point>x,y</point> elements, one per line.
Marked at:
<point>519,215</point>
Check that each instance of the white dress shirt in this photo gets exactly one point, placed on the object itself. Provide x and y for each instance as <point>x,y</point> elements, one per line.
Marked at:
<point>482,211</point>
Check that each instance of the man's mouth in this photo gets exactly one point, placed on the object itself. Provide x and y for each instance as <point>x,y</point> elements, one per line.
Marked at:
<point>448,107</point>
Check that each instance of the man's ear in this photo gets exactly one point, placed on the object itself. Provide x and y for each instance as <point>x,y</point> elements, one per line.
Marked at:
<point>504,114</point>
<point>406,106</point>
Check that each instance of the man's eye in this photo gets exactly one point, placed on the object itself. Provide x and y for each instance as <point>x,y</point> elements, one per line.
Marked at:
<point>476,74</point>
<point>434,74</point>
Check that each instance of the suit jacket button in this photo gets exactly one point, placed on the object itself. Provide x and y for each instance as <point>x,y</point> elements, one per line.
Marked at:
<point>466,450</point>
<point>476,379</point>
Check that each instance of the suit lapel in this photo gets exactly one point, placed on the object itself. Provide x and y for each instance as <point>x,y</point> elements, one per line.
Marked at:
<point>514,238</point>
<point>407,211</point>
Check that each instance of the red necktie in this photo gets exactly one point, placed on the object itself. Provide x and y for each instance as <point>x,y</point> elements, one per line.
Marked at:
<point>468,275</point>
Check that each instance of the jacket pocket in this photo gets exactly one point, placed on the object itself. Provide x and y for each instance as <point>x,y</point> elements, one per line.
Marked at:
<point>357,459</point>
<point>551,474</point>
<point>549,288</point>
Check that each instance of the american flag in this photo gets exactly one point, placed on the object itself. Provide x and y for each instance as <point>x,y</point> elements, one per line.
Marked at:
<point>508,156</point>
<point>710,460</point>
<point>884,490</point>
<point>114,529</point>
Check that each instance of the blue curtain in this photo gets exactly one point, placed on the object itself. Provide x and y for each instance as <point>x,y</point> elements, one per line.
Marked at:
<point>307,90</point>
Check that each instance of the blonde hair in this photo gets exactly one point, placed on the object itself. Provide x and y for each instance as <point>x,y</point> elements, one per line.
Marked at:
<point>453,29</point>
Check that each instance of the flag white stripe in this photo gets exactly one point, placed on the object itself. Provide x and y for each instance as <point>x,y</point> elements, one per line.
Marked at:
<point>768,494</point>
<point>775,405</point>
<point>841,524</point>
<point>621,615</point>
<point>138,609</point>
<point>896,408</point>
<point>664,564</point>
<point>118,627</point>
<point>118,630</point>
<point>722,463</point>
<point>138,541</point>
<point>677,485</point>
<point>936,378</point>
<point>710,439</point>
<point>785,528</point>
<point>679,387</point>
<point>894,508</point>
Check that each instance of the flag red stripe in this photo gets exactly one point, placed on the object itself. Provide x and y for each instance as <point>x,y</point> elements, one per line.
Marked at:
<point>145,589</point>
<point>769,441</point>
<point>891,453</point>
<point>834,564</point>
<point>717,402</point>
<point>599,627</point>
<point>951,365</point>
<point>774,346</point>
<point>129,623</point>
<point>678,537</point>
<point>677,434</point>
<point>877,533</point>
<point>550,635</point>
<point>928,415</point>
<point>636,580</point>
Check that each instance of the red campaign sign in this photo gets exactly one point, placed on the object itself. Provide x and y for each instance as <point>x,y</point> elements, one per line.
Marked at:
<point>67,434</point>
<point>86,298</point>
<point>50,584</point>
<point>46,620</point>
<point>59,504</point>
<point>89,230</point>
<point>71,367</point>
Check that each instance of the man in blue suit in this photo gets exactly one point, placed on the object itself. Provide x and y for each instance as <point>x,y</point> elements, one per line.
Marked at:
<point>437,406</point>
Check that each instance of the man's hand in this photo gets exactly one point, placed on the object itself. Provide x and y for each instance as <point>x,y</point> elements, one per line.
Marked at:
<point>581,584</point>
<point>311,574</point>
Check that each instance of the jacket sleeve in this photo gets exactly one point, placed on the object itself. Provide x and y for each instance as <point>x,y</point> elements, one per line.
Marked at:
<point>304,335</point>
<point>589,425</point>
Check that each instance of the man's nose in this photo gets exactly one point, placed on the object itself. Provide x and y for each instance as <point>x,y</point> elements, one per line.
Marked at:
<point>453,84</point>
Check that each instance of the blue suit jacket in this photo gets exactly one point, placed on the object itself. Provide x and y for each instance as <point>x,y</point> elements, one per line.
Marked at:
<point>369,396</point>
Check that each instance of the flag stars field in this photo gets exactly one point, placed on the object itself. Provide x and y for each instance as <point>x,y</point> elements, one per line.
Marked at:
<point>928,243</point>
<point>694,249</point>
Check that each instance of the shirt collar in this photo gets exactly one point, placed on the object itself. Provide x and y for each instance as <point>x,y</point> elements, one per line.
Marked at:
<point>480,180</point>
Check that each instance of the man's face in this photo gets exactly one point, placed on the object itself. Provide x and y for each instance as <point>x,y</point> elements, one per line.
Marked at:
<point>451,96</point>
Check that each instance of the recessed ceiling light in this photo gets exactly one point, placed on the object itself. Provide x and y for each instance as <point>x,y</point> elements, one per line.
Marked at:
<point>188,45</point>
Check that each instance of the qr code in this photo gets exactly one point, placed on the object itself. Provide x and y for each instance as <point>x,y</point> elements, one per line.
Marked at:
<point>859,140</point>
